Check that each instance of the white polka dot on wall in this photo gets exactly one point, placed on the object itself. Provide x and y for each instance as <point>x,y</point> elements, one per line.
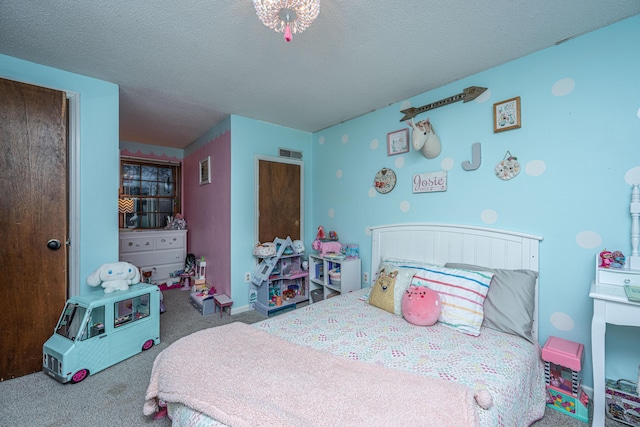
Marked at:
<point>372,192</point>
<point>374,144</point>
<point>345,138</point>
<point>399,161</point>
<point>405,206</point>
<point>561,321</point>
<point>367,230</point>
<point>563,87</point>
<point>588,239</point>
<point>638,113</point>
<point>632,176</point>
<point>321,140</point>
<point>339,173</point>
<point>535,167</point>
<point>331,213</point>
<point>447,164</point>
<point>489,216</point>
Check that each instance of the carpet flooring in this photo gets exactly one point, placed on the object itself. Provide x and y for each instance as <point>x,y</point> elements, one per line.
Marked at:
<point>114,397</point>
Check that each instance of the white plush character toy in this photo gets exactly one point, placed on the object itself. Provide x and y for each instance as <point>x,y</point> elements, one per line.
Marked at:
<point>115,276</point>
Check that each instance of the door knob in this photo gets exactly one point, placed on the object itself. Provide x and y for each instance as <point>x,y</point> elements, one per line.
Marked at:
<point>54,244</point>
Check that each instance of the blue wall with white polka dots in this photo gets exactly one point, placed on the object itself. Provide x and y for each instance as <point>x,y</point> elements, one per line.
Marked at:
<point>579,151</point>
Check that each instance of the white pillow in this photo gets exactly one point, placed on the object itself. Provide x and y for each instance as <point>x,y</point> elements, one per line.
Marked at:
<point>462,294</point>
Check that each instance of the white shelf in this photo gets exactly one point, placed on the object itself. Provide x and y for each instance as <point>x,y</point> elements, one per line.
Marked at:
<point>319,267</point>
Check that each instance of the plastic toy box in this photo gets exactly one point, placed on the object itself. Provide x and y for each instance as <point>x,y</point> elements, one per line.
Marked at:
<point>203,303</point>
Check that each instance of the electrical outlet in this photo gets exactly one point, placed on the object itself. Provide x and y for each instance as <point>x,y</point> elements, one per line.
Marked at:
<point>247,277</point>
<point>365,277</point>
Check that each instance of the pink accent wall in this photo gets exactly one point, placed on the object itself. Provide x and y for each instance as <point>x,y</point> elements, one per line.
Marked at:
<point>207,209</point>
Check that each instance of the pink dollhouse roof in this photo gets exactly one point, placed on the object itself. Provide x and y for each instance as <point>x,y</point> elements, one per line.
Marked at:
<point>563,352</point>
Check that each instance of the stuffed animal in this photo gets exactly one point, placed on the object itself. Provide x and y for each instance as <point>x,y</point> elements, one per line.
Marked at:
<point>326,247</point>
<point>421,306</point>
<point>425,139</point>
<point>115,276</point>
<point>298,246</point>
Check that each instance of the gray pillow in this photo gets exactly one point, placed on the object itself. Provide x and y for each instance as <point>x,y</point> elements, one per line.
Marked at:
<point>510,300</point>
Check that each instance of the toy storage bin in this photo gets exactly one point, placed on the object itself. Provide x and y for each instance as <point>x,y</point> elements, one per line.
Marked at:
<point>317,295</point>
<point>622,402</point>
<point>335,277</point>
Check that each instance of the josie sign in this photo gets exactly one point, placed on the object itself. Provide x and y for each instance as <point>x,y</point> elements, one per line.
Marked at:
<point>430,182</point>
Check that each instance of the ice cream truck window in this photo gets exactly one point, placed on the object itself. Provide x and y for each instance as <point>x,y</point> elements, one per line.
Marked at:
<point>71,320</point>
<point>130,310</point>
<point>96,322</point>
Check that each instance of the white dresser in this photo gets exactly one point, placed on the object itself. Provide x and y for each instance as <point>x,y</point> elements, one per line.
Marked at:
<point>160,251</point>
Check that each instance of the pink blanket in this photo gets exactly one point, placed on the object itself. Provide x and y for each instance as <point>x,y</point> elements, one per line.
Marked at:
<point>242,376</point>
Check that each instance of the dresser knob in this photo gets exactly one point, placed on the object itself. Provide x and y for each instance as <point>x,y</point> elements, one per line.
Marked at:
<point>627,281</point>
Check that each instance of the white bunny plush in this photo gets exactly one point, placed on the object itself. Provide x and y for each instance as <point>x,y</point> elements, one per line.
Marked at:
<point>115,276</point>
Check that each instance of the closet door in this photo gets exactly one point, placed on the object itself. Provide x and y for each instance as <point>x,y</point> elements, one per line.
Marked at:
<point>279,200</point>
<point>33,212</point>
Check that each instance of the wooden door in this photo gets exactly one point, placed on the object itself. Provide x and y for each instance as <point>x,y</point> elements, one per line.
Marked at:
<point>279,207</point>
<point>33,210</point>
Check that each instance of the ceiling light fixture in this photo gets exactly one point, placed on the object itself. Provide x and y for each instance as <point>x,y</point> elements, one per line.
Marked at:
<point>287,16</point>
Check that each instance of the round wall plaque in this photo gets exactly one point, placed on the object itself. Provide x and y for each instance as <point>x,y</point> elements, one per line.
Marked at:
<point>384,180</point>
<point>508,168</point>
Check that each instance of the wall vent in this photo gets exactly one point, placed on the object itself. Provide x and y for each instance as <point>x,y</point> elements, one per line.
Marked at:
<point>290,154</point>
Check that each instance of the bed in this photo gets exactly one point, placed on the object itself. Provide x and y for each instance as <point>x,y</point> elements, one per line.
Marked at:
<point>344,361</point>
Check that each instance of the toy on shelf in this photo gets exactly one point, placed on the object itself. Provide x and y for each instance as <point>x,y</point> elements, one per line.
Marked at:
<point>608,259</point>
<point>326,247</point>
<point>563,375</point>
<point>320,234</point>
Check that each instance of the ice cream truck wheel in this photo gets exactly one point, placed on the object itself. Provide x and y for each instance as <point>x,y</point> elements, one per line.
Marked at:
<point>147,345</point>
<point>79,376</point>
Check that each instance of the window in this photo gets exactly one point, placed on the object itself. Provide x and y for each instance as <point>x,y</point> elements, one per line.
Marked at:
<point>130,310</point>
<point>71,320</point>
<point>153,189</point>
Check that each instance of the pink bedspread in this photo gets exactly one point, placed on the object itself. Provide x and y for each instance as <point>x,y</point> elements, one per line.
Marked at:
<point>242,376</point>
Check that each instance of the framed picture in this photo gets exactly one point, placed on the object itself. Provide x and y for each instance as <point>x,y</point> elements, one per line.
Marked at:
<point>506,115</point>
<point>205,171</point>
<point>398,142</point>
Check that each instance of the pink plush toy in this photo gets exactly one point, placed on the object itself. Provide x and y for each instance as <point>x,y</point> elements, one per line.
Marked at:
<point>326,247</point>
<point>421,306</point>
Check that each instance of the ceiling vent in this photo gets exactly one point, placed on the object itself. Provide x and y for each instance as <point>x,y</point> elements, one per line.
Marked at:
<point>290,154</point>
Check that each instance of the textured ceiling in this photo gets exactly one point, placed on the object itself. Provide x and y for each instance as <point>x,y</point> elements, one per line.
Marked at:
<point>182,66</point>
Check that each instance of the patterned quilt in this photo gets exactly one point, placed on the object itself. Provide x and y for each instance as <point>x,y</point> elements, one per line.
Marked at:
<point>507,366</point>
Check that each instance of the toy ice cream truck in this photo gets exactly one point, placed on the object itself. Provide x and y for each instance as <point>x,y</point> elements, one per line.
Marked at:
<point>98,330</point>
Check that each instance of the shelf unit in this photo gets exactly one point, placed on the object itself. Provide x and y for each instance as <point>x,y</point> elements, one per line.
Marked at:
<point>276,274</point>
<point>319,267</point>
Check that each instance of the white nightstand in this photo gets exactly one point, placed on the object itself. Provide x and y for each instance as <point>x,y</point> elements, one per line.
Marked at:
<point>610,305</point>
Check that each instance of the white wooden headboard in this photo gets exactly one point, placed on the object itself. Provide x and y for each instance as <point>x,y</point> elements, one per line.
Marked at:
<point>442,243</point>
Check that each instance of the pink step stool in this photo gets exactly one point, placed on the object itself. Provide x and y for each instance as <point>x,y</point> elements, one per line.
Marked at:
<point>222,301</point>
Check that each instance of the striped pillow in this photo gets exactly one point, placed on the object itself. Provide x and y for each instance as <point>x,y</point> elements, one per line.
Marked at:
<point>462,294</point>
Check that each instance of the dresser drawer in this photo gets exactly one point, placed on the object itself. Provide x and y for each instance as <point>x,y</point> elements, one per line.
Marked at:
<point>136,244</point>
<point>618,277</point>
<point>144,259</point>
<point>169,242</point>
